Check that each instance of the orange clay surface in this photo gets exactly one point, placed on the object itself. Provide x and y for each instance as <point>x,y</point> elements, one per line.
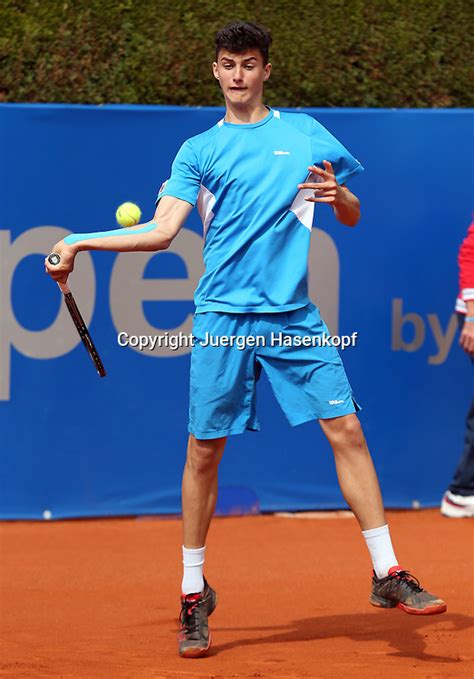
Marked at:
<point>98,599</point>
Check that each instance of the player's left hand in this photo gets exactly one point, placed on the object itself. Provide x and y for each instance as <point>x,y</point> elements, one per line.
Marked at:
<point>326,190</point>
<point>467,337</point>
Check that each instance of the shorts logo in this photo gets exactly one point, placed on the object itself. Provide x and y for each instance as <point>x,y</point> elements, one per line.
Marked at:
<point>281,153</point>
<point>335,403</point>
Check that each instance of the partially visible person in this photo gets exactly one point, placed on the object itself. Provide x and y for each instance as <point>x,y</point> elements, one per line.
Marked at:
<point>458,501</point>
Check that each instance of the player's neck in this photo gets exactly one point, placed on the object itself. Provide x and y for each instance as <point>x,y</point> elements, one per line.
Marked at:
<point>244,115</point>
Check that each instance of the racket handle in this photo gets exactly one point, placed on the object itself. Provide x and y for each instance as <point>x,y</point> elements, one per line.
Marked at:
<point>54,259</point>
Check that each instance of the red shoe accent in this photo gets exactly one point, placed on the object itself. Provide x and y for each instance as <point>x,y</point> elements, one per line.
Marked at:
<point>191,597</point>
<point>453,504</point>
<point>394,569</point>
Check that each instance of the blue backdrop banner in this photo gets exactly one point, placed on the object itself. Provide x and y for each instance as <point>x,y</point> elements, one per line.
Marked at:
<point>77,445</point>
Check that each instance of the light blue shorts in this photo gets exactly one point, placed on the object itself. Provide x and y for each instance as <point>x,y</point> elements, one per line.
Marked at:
<point>309,382</point>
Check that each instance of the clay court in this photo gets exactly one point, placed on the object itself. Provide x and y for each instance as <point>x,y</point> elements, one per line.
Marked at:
<point>99,599</point>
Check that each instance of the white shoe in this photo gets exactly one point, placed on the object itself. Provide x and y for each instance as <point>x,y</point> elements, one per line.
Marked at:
<point>457,506</point>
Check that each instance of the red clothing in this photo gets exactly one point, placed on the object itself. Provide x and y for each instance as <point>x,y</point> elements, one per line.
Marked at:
<point>466,271</point>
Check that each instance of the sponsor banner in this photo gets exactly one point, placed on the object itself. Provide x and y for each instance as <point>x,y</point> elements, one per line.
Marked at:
<point>77,445</point>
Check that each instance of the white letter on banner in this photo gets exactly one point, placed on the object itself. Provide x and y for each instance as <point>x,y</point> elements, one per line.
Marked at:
<point>128,289</point>
<point>61,336</point>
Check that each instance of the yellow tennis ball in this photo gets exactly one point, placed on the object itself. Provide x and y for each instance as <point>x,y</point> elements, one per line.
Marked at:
<point>128,214</point>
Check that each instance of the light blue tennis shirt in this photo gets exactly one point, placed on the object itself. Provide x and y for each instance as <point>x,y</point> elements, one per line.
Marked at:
<point>257,225</point>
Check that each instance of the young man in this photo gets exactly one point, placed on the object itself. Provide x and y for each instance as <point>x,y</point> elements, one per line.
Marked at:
<point>255,177</point>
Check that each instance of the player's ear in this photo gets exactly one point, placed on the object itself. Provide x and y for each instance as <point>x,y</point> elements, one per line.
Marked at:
<point>215,70</point>
<point>267,70</point>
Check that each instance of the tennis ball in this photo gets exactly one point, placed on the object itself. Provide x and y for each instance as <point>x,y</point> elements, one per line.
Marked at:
<point>128,214</point>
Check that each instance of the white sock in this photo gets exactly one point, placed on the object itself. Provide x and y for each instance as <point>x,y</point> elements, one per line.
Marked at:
<point>381,550</point>
<point>193,579</point>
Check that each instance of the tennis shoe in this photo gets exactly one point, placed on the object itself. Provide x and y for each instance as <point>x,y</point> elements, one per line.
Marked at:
<point>457,506</point>
<point>401,589</point>
<point>194,639</point>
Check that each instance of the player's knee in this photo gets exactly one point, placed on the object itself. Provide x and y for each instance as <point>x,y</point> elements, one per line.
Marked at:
<point>352,429</point>
<point>204,454</point>
<point>346,432</point>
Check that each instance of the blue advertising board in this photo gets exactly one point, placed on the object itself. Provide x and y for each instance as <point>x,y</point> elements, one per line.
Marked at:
<point>76,445</point>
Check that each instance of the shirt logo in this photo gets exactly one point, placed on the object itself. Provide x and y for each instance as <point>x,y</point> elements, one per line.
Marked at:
<point>281,153</point>
<point>162,187</point>
<point>335,403</point>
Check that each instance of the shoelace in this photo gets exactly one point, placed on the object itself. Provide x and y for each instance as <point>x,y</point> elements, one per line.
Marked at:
<point>188,618</point>
<point>408,579</point>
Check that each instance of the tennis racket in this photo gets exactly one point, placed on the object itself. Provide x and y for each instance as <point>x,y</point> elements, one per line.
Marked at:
<point>81,327</point>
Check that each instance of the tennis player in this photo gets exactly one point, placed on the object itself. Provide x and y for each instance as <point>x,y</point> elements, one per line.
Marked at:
<point>255,177</point>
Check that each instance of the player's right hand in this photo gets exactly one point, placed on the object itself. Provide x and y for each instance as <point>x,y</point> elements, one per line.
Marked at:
<point>61,271</point>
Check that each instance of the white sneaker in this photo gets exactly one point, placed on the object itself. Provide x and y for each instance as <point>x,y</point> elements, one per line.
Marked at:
<point>457,506</point>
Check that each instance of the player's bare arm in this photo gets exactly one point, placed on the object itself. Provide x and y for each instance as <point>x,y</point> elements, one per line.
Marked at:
<point>345,204</point>
<point>157,234</point>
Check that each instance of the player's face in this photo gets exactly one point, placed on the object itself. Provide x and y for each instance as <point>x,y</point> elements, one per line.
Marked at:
<point>241,76</point>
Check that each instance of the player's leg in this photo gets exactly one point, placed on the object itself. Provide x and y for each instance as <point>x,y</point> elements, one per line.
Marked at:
<point>310,383</point>
<point>360,487</point>
<point>199,489</point>
<point>222,383</point>
<point>199,496</point>
<point>392,586</point>
<point>355,470</point>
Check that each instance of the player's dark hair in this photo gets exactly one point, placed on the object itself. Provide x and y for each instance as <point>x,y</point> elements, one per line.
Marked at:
<point>241,36</point>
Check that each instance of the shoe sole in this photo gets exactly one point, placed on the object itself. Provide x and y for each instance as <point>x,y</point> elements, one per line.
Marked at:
<point>380,602</point>
<point>456,512</point>
<point>429,610</point>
